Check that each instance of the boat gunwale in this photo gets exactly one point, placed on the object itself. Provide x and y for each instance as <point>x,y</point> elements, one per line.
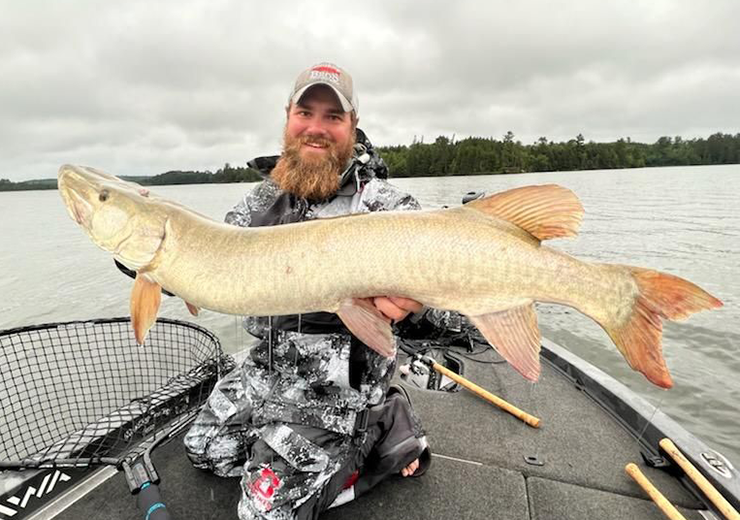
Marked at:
<point>644,422</point>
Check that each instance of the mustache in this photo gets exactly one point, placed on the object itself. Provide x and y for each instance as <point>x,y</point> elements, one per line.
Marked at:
<point>316,140</point>
<point>315,177</point>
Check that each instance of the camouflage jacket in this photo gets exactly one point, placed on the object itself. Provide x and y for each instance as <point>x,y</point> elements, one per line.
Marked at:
<point>363,189</point>
<point>324,372</point>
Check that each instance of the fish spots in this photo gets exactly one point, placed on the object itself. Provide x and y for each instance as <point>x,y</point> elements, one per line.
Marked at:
<point>288,269</point>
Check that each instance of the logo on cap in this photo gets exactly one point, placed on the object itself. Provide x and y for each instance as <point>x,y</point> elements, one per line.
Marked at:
<point>329,74</point>
<point>324,68</point>
<point>324,73</point>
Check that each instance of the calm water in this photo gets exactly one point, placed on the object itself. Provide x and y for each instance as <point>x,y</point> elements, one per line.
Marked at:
<point>684,221</point>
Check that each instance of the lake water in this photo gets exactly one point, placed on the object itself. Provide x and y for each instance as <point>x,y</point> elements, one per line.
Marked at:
<point>684,221</point>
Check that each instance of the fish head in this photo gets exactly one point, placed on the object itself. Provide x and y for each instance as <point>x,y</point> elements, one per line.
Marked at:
<point>117,215</point>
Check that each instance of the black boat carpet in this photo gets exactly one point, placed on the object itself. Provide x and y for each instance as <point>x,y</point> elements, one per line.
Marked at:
<point>549,500</point>
<point>582,452</point>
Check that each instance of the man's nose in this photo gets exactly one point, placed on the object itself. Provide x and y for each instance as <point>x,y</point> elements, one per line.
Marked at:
<point>317,127</point>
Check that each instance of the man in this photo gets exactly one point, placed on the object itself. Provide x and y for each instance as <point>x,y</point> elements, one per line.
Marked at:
<point>309,420</point>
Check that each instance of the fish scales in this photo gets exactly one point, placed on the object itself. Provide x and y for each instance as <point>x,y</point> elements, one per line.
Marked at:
<point>315,265</point>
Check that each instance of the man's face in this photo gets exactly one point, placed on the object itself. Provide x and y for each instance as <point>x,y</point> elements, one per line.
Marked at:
<point>318,144</point>
<point>319,115</point>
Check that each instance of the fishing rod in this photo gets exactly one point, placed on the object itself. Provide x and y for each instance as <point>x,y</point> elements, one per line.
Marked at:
<point>531,420</point>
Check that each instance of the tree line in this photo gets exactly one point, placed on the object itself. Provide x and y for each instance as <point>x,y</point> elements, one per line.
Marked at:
<point>486,155</point>
<point>227,174</point>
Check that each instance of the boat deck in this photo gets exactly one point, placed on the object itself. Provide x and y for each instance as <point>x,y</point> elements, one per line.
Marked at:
<point>479,468</point>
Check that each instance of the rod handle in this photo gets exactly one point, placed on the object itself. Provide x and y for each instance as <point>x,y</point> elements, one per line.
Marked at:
<point>700,480</point>
<point>656,496</point>
<point>531,420</point>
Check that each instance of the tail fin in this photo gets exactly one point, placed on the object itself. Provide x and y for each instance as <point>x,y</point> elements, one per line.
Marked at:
<point>661,296</point>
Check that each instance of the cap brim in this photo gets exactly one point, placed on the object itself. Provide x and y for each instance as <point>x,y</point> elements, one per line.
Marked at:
<point>346,105</point>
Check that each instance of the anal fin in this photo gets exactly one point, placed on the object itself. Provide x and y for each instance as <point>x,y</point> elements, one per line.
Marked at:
<point>515,335</point>
<point>367,323</point>
<point>145,299</point>
<point>192,308</point>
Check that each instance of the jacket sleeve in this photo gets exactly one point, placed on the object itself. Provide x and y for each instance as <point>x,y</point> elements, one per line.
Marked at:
<point>240,215</point>
<point>256,200</point>
<point>380,195</point>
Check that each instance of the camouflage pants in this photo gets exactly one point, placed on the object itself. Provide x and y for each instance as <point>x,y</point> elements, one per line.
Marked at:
<point>285,421</point>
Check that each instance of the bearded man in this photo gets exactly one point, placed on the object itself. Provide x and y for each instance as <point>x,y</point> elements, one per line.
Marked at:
<point>310,420</point>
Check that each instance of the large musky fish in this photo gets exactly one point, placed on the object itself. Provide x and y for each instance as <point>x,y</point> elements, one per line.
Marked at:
<point>483,259</point>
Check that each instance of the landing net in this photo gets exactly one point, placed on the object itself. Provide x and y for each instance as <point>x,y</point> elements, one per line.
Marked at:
<point>80,393</point>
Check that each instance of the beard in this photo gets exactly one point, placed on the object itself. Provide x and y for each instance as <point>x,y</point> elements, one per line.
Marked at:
<point>313,177</point>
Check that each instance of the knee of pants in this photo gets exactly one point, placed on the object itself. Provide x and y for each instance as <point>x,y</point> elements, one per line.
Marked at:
<point>274,487</point>
<point>209,443</point>
<point>265,490</point>
<point>195,441</point>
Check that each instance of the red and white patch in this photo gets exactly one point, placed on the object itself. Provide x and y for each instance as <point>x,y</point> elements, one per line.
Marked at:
<point>263,488</point>
<point>351,480</point>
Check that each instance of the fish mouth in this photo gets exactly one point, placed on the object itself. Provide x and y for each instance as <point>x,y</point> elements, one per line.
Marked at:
<point>78,208</point>
<point>81,211</point>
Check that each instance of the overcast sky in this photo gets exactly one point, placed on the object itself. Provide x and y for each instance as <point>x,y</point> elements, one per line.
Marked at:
<point>140,87</point>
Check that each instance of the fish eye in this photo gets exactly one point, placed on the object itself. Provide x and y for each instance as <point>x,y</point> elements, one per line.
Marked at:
<point>103,195</point>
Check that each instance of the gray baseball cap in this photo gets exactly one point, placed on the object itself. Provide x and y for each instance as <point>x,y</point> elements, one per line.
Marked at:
<point>331,75</point>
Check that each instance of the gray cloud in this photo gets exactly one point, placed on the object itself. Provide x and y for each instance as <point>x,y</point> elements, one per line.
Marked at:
<point>141,88</point>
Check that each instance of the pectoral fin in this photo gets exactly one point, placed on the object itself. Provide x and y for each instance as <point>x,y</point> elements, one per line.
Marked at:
<point>515,335</point>
<point>368,325</point>
<point>145,299</point>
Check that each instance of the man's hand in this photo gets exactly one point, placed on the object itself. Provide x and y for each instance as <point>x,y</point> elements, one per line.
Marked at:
<point>394,308</point>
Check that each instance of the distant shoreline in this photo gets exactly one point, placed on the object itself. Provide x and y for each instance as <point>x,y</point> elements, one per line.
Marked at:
<point>446,157</point>
<point>41,185</point>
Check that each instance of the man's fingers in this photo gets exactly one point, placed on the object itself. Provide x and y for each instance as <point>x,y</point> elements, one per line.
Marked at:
<point>373,302</point>
<point>390,309</point>
<point>407,304</point>
<point>396,308</point>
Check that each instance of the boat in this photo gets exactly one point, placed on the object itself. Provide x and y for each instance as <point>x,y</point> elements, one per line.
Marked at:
<point>486,463</point>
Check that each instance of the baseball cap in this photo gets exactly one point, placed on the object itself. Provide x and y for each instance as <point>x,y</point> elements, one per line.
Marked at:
<point>331,75</point>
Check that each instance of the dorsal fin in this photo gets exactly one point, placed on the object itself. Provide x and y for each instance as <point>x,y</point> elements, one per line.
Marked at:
<point>548,211</point>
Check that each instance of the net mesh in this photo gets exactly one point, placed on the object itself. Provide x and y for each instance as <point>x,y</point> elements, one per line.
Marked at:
<point>85,390</point>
